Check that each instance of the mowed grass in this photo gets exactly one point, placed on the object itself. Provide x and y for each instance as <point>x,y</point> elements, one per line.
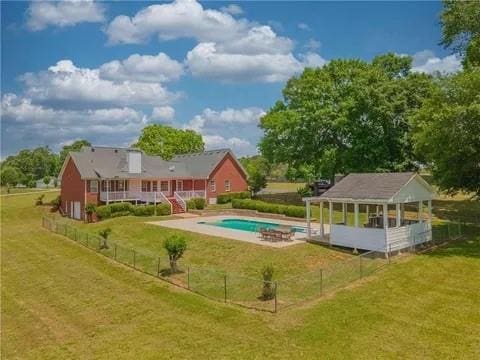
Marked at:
<point>60,300</point>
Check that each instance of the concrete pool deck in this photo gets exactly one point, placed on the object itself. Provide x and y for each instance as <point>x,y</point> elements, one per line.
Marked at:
<point>192,224</point>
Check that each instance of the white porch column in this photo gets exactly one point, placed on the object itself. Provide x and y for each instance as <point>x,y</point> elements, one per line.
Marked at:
<point>330,215</point>
<point>309,230</point>
<point>322,232</point>
<point>420,211</point>
<point>108,188</point>
<point>430,212</point>
<point>344,213</point>
<point>124,189</point>
<point>385,216</point>
<point>355,211</point>
<point>368,211</point>
<point>398,214</point>
<point>377,210</point>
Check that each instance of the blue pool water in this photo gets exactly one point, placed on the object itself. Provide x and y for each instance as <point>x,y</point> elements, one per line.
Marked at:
<point>248,225</point>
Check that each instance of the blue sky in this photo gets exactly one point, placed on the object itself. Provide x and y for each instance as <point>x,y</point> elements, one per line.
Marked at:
<point>102,71</point>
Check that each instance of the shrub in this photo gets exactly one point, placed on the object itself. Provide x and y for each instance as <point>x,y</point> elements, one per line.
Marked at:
<point>120,213</point>
<point>56,203</point>
<point>199,203</point>
<point>104,211</point>
<point>191,204</point>
<point>104,233</point>
<point>144,210</point>
<point>304,191</point>
<point>117,207</point>
<point>228,197</point>
<point>163,209</point>
<point>268,290</point>
<point>90,208</point>
<point>261,206</point>
<point>295,211</point>
<point>39,200</point>
<point>175,246</point>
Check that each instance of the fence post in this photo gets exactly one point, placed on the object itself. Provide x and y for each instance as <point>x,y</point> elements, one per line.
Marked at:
<point>276,303</point>
<point>361,266</point>
<point>115,253</point>
<point>448,231</point>
<point>225,287</point>
<point>158,267</point>
<point>87,239</point>
<point>75,234</point>
<point>188,278</point>
<point>321,282</point>
<point>134,259</point>
<point>389,252</point>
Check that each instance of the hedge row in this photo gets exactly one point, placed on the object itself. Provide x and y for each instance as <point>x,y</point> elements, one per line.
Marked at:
<point>261,206</point>
<point>196,203</point>
<point>228,197</point>
<point>125,209</point>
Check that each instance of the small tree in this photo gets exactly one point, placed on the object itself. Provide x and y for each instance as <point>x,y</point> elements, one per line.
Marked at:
<point>90,210</point>
<point>268,291</point>
<point>175,246</point>
<point>55,182</point>
<point>46,181</point>
<point>10,176</point>
<point>257,181</point>
<point>104,234</point>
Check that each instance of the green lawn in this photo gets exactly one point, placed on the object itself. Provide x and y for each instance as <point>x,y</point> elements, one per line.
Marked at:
<point>283,186</point>
<point>5,191</point>
<point>60,300</point>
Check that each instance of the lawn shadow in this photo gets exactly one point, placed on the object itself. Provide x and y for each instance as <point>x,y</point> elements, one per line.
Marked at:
<point>466,246</point>
<point>467,211</point>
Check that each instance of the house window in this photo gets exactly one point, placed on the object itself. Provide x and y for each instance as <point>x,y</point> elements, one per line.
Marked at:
<point>154,186</point>
<point>179,185</point>
<point>120,185</point>
<point>227,185</point>
<point>164,186</point>
<point>145,186</point>
<point>212,186</point>
<point>93,186</point>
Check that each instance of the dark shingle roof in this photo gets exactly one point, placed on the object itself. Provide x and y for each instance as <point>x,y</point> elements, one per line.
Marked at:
<point>109,162</point>
<point>381,186</point>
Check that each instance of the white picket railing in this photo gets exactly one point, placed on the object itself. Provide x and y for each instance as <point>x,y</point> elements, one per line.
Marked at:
<point>190,194</point>
<point>181,201</point>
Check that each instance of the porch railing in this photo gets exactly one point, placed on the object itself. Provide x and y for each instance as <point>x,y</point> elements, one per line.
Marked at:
<point>187,195</point>
<point>181,201</point>
<point>151,196</point>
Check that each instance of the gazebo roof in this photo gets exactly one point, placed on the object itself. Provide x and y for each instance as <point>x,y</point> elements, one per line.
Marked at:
<point>379,188</point>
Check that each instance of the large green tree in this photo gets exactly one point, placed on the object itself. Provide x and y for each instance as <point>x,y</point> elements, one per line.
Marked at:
<point>347,116</point>
<point>461,29</point>
<point>258,169</point>
<point>75,146</point>
<point>447,132</point>
<point>167,141</point>
<point>10,176</point>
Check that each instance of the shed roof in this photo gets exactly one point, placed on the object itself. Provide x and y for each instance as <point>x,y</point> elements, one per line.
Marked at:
<point>110,162</point>
<point>379,187</point>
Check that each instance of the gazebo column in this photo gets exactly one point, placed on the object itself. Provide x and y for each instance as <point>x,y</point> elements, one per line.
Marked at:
<point>385,216</point>
<point>330,215</point>
<point>367,210</point>
<point>108,188</point>
<point>402,210</point>
<point>420,211</point>
<point>309,230</point>
<point>355,210</point>
<point>322,232</point>
<point>344,213</point>
<point>398,214</point>
<point>430,212</point>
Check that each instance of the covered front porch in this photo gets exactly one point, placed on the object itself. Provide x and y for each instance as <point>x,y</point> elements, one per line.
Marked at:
<point>152,190</point>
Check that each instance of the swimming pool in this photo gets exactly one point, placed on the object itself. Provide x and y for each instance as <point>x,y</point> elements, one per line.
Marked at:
<point>250,225</point>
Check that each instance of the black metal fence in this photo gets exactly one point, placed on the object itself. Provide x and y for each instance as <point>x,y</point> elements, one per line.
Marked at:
<point>237,289</point>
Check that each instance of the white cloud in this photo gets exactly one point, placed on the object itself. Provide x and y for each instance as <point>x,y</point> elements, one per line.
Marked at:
<point>311,59</point>
<point>313,44</point>
<point>41,14</point>
<point>65,85</point>
<point>425,61</point>
<point>25,123</point>
<point>216,128</point>
<point>163,113</point>
<point>205,61</point>
<point>232,9</point>
<point>303,26</point>
<point>143,68</point>
<point>181,18</point>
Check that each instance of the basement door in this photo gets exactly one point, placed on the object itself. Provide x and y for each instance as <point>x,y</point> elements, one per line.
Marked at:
<point>76,210</point>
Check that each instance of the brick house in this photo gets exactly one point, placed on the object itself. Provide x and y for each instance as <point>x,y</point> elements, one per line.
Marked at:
<point>102,175</point>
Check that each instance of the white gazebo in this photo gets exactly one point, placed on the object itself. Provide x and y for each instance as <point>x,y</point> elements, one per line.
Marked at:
<point>377,202</point>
